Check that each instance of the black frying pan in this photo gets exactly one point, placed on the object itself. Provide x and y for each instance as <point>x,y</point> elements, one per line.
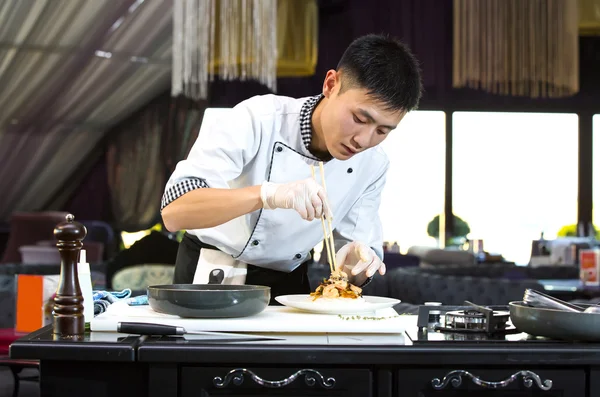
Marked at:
<point>555,324</point>
<point>209,300</point>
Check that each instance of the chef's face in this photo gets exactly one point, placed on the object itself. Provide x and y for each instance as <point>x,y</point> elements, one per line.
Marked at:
<point>353,121</point>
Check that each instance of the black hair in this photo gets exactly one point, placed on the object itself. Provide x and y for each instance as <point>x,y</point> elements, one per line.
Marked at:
<point>386,68</point>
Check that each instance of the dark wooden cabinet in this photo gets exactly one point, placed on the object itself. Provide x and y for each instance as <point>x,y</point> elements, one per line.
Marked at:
<point>275,382</point>
<point>594,382</point>
<point>175,367</point>
<point>398,382</point>
<point>484,382</point>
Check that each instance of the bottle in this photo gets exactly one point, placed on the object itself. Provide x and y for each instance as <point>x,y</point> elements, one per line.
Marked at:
<point>85,284</point>
<point>542,246</point>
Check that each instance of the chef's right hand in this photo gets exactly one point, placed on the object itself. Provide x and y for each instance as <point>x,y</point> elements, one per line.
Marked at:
<point>307,197</point>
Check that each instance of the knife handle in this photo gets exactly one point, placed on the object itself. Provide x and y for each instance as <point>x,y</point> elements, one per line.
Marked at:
<point>149,329</point>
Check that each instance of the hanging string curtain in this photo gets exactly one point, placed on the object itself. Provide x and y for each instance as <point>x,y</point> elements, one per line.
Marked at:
<point>241,40</point>
<point>517,47</point>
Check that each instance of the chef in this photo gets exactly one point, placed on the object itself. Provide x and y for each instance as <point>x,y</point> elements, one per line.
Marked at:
<point>246,196</point>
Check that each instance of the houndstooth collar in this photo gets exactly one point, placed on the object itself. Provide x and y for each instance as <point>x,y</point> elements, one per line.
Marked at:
<point>306,119</point>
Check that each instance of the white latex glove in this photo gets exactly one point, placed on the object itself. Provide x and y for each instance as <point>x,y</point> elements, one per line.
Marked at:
<point>359,262</point>
<point>307,197</point>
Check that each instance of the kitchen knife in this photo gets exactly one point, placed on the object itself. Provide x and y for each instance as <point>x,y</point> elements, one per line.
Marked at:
<point>170,330</point>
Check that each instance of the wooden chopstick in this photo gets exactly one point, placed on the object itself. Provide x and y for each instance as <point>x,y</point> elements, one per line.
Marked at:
<point>328,244</point>
<point>332,242</point>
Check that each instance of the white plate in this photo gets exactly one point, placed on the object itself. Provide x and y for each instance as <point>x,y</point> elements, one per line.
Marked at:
<point>368,304</point>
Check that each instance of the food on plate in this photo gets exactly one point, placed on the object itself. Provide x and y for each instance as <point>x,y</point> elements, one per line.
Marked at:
<point>337,286</point>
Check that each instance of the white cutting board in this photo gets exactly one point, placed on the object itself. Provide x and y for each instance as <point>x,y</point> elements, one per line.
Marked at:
<point>272,319</point>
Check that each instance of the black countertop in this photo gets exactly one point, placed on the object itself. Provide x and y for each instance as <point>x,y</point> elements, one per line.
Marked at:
<point>94,346</point>
<point>180,350</point>
<point>300,349</point>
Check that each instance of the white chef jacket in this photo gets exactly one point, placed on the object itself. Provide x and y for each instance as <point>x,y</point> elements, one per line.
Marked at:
<point>266,138</point>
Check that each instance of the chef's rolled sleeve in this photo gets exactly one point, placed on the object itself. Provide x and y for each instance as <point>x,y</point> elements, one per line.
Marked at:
<point>181,188</point>
<point>362,223</point>
<point>223,148</point>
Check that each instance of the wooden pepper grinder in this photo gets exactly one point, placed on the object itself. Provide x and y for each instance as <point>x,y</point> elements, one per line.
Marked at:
<point>68,321</point>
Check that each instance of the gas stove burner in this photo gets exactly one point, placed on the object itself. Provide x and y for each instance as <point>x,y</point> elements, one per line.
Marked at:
<point>473,320</point>
<point>473,336</point>
<point>468,318</point>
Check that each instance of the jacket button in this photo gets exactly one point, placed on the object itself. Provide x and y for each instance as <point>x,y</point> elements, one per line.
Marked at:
<point>349,170</point>
<point>298,256</point>
<point>279,149</point>
<point>255,242</point>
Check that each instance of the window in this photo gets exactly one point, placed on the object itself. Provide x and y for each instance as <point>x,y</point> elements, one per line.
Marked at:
<point>414,191</point>
<point>596,172</point>
<point>514,177</point>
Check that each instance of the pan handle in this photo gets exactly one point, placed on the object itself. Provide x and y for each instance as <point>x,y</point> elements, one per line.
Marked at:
<point>236,376</point>
<point>455,378</point>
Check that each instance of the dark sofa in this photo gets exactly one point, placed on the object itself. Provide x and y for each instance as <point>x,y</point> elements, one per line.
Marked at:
<point>489,284</point>
<point>502,270</point>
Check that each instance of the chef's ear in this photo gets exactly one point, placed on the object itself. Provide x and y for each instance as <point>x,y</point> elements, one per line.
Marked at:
<point>331,83</point>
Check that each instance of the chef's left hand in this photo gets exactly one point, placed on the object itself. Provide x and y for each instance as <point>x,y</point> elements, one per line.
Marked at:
<point>359,262</point>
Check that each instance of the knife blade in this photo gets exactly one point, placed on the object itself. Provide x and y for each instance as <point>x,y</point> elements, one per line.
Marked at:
<point>172,330</point>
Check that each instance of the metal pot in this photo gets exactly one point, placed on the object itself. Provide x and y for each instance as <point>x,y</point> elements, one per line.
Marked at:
<point>209,300</point>
<point>554,323</point>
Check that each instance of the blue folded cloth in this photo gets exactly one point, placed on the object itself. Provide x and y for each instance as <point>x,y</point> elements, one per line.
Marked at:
<point>103,299</point>
<point>138,300</point>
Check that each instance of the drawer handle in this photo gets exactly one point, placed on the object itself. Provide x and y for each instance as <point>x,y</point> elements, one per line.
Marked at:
<point>236,376</point>
<point>455,377</point>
